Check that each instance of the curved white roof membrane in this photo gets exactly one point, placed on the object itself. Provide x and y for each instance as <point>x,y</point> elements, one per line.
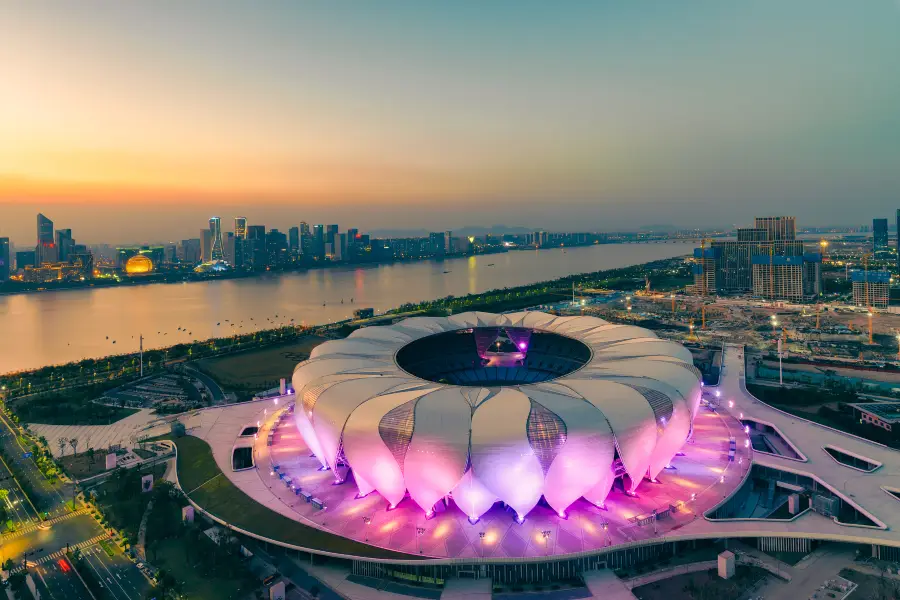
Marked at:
<point>633,401</point>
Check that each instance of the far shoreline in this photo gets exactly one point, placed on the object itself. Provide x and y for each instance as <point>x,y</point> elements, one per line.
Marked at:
<point>190,277</point>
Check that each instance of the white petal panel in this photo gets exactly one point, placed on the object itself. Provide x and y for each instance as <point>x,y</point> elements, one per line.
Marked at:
<point>354,347</point>
<point>472,497</point>
<point>464,320</point>
<point>502,458</point>
<point>335,405</point>
<point>631,419</point>
<point>641,347</point>
<point>538,320</point>
<point>585,459</point>
<point>675,433</point>
<point>310,370</point>
<point>387,334</point>
<point>365,449</point>
<point>615,333</point>
<point>673,372</point>
<point>439,451</point>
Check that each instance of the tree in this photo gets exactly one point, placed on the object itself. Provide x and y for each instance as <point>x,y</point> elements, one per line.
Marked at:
<point>74,443</point>
<point>62,445</point>
<point>90,454</point>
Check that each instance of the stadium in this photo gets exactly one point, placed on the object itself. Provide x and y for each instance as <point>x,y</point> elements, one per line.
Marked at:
<point>477,408</point>
<point>529,448</point>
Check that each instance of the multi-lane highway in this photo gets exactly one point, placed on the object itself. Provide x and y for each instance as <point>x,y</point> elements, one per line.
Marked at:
<point>120,578</point>
<point>44,544</point>
<point>57,580</point>
<point>49,498</point>
<point>44,548</point>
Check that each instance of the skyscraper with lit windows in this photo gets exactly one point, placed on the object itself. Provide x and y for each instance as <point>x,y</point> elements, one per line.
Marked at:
<point>45,251</point>
<point>240,227</point>
<point>217,252</point>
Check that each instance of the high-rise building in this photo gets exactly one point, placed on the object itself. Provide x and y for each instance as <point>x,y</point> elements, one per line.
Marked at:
<point>191,252</point>
<point>230,248</point>
<point>340,247</point>
<point>206,245</point>
<point>294,242</point>
<point>752,234</point>
<point>25,258</point>
<point>812,275</point>
<point>217,252</point>
<point>331,234</point>
<point>45,250</point>
<point>4,259</point>
<point>240,227</point>
<point>734,271</point>
<point>704,270</point>
<point>766,260</point>
<point>778,277</point>
<point>778,228</point>
<point>277,248</point>
<point>65,245</point>
<point>871,289</point>
<point>318,235</point>
<point>305,241</point>
<point>437,243</point>
<point>879,235</point>
<point>448,242</point>
<point>255,252</point>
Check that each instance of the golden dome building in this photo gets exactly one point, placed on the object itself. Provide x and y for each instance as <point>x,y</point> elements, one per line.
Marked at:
<point>139,264</point>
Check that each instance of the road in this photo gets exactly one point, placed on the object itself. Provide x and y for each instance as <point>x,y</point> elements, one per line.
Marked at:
<point>50,498</point>
<point>120,578</point>
<point>57,580</point>
<point>218,394</point>
<point>45,548</point>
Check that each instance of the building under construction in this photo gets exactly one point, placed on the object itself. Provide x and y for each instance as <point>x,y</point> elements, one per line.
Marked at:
<point>871,289</point>
<point>765,260</point>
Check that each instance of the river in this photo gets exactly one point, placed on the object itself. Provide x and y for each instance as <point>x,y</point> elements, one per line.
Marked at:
<point>56,327</point>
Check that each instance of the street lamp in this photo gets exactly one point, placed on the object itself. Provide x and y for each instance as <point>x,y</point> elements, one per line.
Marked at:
<point>546,534</point>
<point>481,535</point>
<point>366,522</point>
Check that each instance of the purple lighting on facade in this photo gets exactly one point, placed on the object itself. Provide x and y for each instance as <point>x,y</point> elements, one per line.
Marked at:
<point>522,346</point>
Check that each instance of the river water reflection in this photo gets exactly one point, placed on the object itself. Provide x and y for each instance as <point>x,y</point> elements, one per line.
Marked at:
<point>57,327</point>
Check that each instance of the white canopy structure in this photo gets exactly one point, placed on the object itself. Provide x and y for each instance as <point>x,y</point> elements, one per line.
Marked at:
<point>463,428</point>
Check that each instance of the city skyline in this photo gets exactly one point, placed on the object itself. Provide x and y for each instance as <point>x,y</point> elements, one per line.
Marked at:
<point>700,115</point>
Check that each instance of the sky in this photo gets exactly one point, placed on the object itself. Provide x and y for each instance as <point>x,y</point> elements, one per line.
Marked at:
<point>136,121</point>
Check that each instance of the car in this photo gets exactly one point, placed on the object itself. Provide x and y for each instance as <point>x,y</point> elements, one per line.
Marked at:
<point>44,525</point>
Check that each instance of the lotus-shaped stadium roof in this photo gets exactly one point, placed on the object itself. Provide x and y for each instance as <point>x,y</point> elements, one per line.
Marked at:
<point>413,408</point>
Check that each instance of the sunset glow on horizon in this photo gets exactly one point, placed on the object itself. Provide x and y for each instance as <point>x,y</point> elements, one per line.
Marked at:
<point>625,115</point>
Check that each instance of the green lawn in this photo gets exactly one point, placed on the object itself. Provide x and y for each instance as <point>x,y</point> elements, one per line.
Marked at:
<point>221,498</point>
